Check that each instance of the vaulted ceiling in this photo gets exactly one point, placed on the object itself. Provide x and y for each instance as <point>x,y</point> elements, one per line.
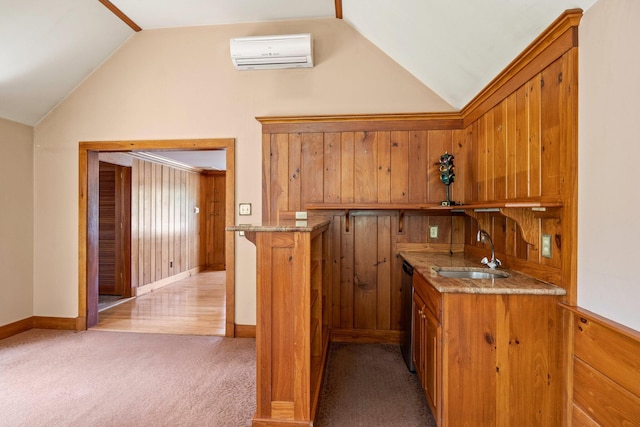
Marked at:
<point>454,47</point>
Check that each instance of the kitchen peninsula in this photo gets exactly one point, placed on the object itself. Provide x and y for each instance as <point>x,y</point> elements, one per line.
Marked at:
<point>292,333</point>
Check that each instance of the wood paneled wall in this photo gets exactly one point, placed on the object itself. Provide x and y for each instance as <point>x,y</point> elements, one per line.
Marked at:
<point>523,151</point>
<point>364,167</point>
<point>606,371</point>
<point>516,141</point>
<point>357,167</point>
<point>166,234</point>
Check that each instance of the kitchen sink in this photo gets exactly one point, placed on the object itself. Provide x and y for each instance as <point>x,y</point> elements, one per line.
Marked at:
<point>471,273</point>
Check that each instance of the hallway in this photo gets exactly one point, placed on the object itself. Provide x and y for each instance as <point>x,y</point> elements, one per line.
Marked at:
<point>191,306</point>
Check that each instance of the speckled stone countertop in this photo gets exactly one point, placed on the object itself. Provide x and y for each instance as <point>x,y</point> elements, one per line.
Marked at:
<point>282,225</point>
<point>427,264</point>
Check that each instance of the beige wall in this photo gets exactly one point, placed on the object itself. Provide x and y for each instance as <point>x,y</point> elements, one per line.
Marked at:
<point>609,155</point>
<point>180,83</point>
<point>16,221</point>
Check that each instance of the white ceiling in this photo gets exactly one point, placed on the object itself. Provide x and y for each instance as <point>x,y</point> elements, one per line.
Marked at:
<point>455,47</point>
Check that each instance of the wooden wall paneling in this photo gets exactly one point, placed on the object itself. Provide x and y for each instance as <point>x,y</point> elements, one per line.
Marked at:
<point>399,141</point>
<point>511,238</point>
<point>279,154</point>
<point>610,349</point>
<point>365,276</point>
<point>535,135</point>
<point>510,144</point>
<point>522,141</point>
<point>605,388</point>
<point>184,225</point>
<point>384,167</point>
<point>135,229</point>
<point>499,234</point>
<point>395,291</point>
<point>149,260</point>
<point>181,228</point>
<point>332,163</point>
<point>606,402</point>
<point>416,227</point>
<point>439,142</point>
<point>295,201</point>
<point>365,167</point>
<point>461,149</point>
<point>165,221</point>
<point>312,181</point>
<point>335,303</point>
<point>553,104</point>
<point>418,169</point>
<point>347,276</point>
<point>490,154</point>
<point>383,268</point>
<point>157,221</point>
<point>500,153</point>
<point>171,222</point>
<point>481,155</point>
<point>347,168</point>
<point>202,223</point>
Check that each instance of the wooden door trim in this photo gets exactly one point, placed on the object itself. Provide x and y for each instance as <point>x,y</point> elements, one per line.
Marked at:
<point>87,246</point>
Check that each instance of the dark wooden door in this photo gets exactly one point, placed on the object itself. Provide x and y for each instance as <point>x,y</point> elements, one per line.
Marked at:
<point>114,230</point>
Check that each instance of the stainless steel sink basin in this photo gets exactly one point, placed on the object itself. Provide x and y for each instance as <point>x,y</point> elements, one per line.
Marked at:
<point>471,273</point>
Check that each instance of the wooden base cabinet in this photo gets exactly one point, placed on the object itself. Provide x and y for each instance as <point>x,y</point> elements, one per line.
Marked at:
<point>291,328</point>
<point>488,359</point>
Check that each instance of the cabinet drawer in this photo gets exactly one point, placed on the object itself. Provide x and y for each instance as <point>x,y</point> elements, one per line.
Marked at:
<point>432,298</point>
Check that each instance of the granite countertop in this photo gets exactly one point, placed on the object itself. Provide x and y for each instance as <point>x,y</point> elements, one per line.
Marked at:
<point>282,225</point>
<point>427,263</point>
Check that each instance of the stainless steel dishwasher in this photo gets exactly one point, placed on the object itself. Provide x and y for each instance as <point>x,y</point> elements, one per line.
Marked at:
<point>406,317</point>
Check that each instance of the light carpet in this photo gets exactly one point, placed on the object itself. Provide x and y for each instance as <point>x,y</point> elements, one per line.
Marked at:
<point>104,379</point>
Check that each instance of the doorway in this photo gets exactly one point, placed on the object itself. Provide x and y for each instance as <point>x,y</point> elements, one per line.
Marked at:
<point>89,217</point>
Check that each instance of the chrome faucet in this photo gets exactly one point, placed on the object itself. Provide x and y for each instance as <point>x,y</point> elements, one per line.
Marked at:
<point>493,263</point>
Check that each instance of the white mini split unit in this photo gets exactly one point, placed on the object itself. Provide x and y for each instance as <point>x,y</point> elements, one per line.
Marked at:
<point>269,52</point>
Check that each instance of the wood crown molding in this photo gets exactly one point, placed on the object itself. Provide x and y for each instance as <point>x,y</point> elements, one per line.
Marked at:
<point>121,15</point>
<point>360,122</point>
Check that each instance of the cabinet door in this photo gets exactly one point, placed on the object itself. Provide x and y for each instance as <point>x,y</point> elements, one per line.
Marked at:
<point>418,336</point>
<point>432,367</point>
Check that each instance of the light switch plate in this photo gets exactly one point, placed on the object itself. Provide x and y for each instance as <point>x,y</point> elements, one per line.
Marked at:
<point>546,245</point>
<point>433,231</point>
<point>244,208</point>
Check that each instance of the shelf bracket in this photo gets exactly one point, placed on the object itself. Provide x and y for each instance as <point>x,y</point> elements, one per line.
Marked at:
<point>346,220</point>
<point>483,218</point>
<point>528,223</point>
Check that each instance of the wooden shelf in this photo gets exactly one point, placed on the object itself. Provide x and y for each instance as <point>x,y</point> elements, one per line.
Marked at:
<point>524,211</point>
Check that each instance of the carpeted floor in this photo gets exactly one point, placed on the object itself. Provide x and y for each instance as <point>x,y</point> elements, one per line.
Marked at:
<point>99,378</point>
<point>370,385</point>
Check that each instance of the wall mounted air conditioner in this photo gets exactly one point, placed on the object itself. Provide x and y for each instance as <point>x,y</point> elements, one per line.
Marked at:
<point>269,52</point>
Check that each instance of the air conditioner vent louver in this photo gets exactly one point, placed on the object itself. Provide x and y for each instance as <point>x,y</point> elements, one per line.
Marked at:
<point>269,52</point>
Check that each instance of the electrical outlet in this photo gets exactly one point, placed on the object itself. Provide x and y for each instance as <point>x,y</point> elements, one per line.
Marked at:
<point>433,231</point>
<point>245,208</point>
<point>301,215</point>
<point>546,245</point>
<point>240,233</point>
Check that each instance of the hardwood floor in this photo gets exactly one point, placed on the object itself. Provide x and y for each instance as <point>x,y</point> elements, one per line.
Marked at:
<point>191,306</point>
